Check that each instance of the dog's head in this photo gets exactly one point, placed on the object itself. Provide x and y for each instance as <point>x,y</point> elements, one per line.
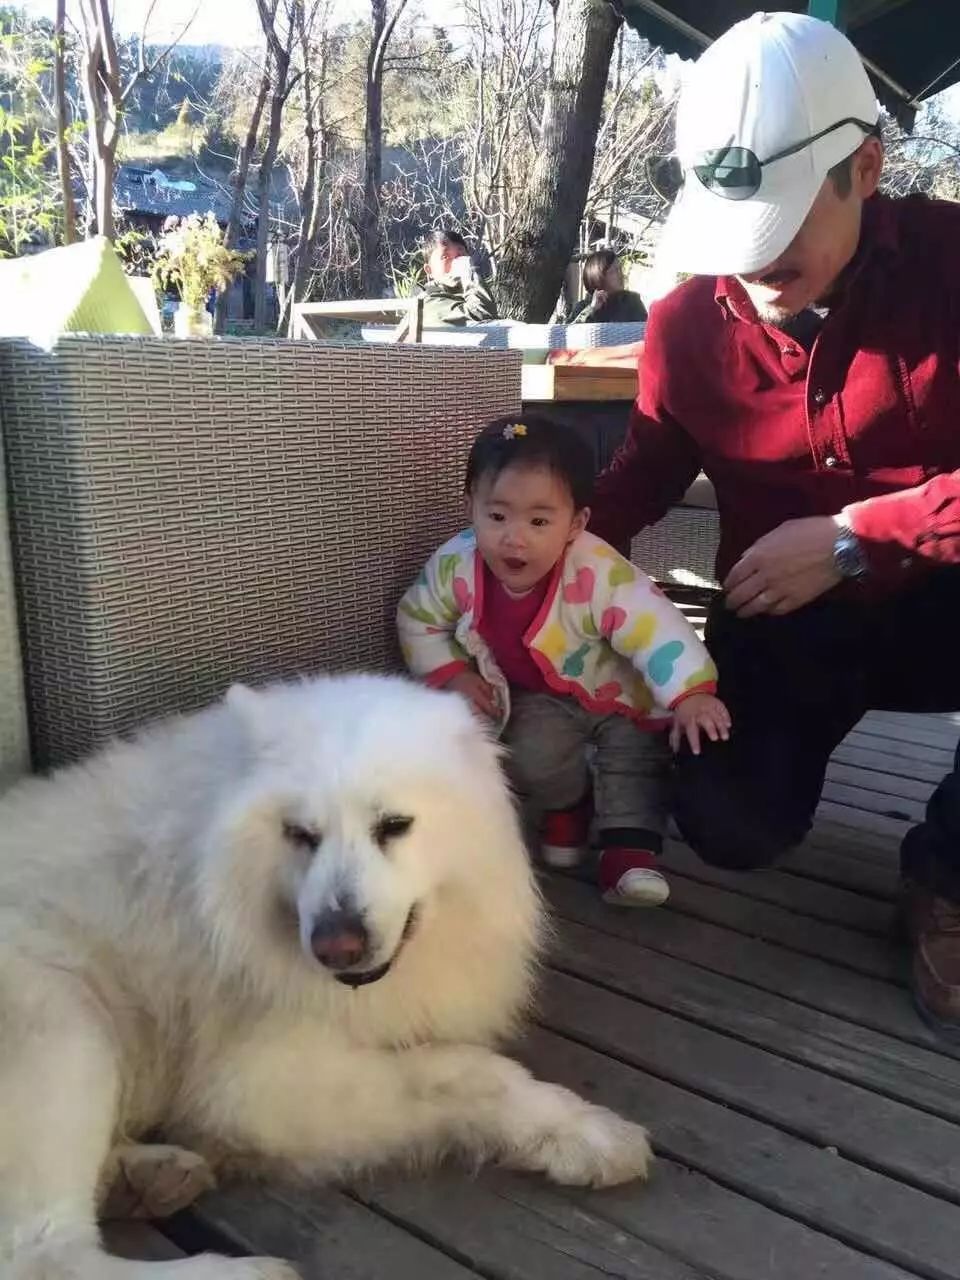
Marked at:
<point>362,801</point>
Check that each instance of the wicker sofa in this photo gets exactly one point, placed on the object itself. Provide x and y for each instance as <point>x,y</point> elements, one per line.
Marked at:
<point>186,514</point>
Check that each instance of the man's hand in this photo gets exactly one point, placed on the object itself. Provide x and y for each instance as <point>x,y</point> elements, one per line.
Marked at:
<point>785,569</point>
<point>599,299</point>
<point>696,712</point>
<point>481,695</point>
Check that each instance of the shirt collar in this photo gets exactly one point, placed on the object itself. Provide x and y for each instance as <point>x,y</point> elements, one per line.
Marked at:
<point>879,235</point>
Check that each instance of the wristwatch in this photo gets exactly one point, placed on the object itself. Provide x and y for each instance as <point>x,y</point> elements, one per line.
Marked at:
<point>848,554</point>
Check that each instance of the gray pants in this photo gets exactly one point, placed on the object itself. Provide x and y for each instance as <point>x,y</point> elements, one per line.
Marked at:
<point>549,737</point>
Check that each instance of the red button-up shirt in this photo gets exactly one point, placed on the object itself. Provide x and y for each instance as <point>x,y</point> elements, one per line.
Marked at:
<point>867,424</point>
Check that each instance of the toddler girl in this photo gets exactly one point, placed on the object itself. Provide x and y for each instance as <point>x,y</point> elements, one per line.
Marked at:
<point>565,646</point>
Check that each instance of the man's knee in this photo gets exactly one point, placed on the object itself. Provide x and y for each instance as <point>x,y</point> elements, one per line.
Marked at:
<point>726,826</point>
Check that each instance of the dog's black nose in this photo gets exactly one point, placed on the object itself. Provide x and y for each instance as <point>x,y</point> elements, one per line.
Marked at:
<point>339,940</point>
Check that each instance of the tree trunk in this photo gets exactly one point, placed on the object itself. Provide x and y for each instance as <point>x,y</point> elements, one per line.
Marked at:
<point>60,105</point>
<point>531,267</point>
<point>232,233</point>
<point>280,62</point>
<point>371,261</point>
<point>372,276</point>
<point>277,100</point>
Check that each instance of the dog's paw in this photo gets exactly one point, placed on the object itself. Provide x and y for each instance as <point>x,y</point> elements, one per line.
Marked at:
<point>584,1145</point>
<point>213,1267</point>
<point>152,1181</point>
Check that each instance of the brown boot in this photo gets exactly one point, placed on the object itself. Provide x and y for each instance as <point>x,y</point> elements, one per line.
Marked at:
<point>934,927</point>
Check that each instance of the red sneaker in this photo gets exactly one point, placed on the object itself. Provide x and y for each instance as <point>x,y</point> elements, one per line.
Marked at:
<point>631,878</point>
<point>564,836</point>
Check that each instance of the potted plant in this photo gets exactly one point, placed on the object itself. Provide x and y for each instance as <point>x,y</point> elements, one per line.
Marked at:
<point>192,259</point>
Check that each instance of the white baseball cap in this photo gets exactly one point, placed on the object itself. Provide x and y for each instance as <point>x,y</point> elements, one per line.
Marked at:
<point>769,83</point>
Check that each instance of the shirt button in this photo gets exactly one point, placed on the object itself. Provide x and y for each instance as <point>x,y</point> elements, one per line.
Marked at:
<point>819,396</point>
<point>830,461</point>
<point>906,562</point>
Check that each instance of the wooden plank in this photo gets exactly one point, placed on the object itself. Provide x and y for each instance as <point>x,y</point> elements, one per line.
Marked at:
<point>900,1142</point>
<point>324,1233</point>
<point>860,819</point>
<point>888,806</point>
<point>863,1216</point>
<point>138,1241</point>
<point>861,737</point>
<point>763,965</point>
<point>906,1073</point>
<point>871,956</point>
<point>695,1221</point>
<point>821,902</point>
<point>886,762</point>
<point>543,382</point>
<point>521,1229</point>
<point>828,834</point>
<point>831,866</point>
<point>923,730</point>
<point>885,784</point>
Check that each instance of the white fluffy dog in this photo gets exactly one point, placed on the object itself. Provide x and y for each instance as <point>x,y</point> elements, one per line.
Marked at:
<point>284,930</point>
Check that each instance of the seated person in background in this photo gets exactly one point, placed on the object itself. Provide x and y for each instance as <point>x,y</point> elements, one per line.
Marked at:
<point>607,302</point>
<point>569,650</point>
<point>455,294</point>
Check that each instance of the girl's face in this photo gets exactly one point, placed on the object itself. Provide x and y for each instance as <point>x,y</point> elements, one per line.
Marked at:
<point>524,520</point>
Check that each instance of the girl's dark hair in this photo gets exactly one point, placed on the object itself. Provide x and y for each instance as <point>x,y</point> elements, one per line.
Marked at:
<point>596,267</point>
<point>531,441</point>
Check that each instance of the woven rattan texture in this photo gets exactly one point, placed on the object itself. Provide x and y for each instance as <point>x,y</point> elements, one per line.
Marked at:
<point>681,548</point>
<point>14,747</point>
<point>186,514</point>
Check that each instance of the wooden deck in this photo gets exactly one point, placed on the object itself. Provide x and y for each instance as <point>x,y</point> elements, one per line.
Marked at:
<point>807,1123</point>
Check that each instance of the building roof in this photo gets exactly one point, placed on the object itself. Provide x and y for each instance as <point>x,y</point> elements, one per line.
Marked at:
<point>910,47</point>
<point>139,189</point>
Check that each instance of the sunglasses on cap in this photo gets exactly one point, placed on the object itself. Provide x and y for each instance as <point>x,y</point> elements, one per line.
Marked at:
<point>735,173</point>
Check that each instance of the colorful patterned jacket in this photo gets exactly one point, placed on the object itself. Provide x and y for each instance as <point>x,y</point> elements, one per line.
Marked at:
<point>605,634</point>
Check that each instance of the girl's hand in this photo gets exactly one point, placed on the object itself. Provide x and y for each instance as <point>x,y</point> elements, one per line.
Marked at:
<point>481,695</point>
<point>699,711</point>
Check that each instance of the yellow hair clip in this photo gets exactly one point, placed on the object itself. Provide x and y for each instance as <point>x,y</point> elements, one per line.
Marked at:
<point>514,431</point>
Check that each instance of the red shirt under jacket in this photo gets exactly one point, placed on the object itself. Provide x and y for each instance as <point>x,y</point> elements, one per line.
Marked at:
<point>868,422</point>
<point>504,622</point>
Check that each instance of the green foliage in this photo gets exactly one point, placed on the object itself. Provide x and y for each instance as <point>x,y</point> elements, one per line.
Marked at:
<point>29,208</point>
<point>193,259</point>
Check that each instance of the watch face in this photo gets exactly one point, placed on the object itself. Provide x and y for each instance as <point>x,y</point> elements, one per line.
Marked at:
<point>848,556</point>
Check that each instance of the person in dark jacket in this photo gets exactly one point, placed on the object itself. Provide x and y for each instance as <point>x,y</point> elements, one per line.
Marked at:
<point>607,302</point>
<point>455,294</point>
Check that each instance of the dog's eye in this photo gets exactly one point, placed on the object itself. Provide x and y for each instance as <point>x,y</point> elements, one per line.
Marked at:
<point>301,837</point>
<point>390,826</point>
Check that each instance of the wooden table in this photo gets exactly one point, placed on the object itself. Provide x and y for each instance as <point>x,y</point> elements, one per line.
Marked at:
<point>578,383</point>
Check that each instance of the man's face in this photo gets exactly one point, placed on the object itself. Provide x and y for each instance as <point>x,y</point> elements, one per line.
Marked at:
<point>827,240</point>
<point>440,260</point>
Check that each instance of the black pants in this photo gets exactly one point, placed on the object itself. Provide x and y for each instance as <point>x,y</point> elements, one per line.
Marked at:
<point>795,687</point>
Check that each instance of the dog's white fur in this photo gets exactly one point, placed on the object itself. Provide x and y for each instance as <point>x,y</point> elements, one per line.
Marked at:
<point>156,967</point>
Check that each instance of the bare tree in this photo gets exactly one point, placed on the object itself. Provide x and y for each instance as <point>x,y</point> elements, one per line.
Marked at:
<point>106,93</point>
<point>60,107</point>
<point>314,55</point>
<point>371,259</point>
<point>532,264</point>
<point>279,20</point>
<point>239,179</point>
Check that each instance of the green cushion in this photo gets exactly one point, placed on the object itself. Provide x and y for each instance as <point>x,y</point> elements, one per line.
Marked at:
<point>80,288</point>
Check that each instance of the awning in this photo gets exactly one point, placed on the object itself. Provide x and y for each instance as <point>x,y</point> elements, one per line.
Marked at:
<point>910,47</point>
